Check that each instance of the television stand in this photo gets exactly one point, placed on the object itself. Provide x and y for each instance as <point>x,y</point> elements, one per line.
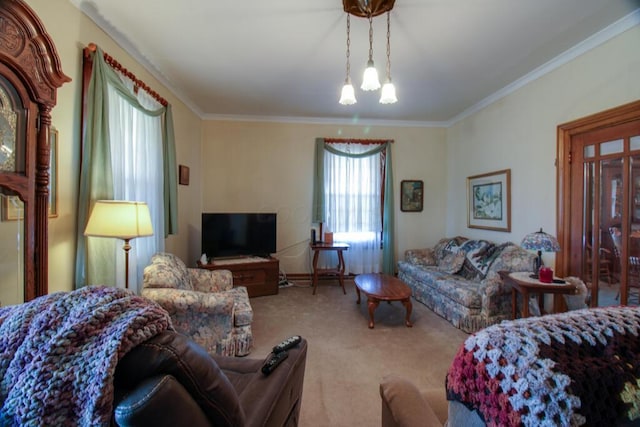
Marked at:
<point>259,275</point>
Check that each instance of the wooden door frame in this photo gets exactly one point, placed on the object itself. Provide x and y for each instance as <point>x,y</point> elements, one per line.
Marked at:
<point>566,132</point>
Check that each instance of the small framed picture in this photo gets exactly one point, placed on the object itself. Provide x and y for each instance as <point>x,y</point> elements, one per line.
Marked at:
<point>183,175</point>
<point>411,196</point>
<point>489,201</point>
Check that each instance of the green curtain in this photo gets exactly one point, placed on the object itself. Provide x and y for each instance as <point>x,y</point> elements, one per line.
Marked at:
<point>318,203</point>
<point>96,179</point>
<point>170,175</point>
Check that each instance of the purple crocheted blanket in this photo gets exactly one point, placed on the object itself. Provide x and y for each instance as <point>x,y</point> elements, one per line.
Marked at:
<point>568,369</point>
<point>58,354</point>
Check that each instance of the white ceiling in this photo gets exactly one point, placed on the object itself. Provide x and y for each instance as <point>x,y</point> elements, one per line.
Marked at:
<point>285,59</point>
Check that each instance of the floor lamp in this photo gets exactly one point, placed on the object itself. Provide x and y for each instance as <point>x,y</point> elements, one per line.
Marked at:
<point>121,219</point>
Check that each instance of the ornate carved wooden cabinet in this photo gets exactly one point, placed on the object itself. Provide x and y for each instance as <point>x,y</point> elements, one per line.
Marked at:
<point>30,74</point>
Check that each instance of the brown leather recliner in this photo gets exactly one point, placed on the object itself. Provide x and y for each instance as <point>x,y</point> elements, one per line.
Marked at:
<point>171,381</point>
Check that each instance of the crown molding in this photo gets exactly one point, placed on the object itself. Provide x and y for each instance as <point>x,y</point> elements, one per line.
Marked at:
<point>623,24</point>
<point>323,120</point>
<point>627,22</point>
<point>92,13</point>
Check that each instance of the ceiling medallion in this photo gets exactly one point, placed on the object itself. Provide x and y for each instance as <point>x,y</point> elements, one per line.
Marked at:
<point>366,8</point>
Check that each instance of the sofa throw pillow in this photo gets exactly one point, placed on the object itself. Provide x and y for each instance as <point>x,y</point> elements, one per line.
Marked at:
<point>438,249</point>
<point>447,245</point>
<point>452,262</point>
<point>424,257</point>
<point>476,262</point>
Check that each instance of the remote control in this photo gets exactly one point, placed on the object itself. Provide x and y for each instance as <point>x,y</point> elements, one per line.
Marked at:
<point>287,344</point>
<point>273,361</point>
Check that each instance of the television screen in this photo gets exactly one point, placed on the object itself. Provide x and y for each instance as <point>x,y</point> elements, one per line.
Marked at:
<point>238,234</point>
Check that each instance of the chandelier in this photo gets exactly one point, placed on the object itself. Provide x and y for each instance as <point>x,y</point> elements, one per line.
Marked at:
<point>370,81</point>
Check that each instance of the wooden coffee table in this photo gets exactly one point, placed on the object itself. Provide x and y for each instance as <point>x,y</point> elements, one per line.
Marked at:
<point>382,287</point>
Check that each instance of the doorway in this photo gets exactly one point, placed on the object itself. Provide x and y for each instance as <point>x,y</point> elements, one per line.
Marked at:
<point>599,204</point>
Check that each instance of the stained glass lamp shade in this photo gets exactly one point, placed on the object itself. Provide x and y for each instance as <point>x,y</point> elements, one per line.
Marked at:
<point>541,242</point>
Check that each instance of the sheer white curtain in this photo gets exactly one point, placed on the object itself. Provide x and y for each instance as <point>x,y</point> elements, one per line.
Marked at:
<point>136,156</point>
<point>353,204</point>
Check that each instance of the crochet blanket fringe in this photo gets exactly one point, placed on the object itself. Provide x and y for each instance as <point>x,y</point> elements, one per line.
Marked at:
<point>58,354</point>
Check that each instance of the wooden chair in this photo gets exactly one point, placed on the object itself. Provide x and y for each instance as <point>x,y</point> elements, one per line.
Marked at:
<point>604,261</point>
<point>634,263</point>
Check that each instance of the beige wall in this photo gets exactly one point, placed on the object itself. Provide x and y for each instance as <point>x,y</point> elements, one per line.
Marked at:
<point>268,167</point>
<point>519,132</point>
<point>71,31</point>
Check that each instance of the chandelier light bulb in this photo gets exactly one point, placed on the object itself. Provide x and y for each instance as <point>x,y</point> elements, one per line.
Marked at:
<point>388,95</point>
<point>370,80</point>
<point>348,96</point>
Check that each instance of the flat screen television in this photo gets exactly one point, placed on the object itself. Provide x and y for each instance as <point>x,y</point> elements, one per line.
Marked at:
<point>238,234</point>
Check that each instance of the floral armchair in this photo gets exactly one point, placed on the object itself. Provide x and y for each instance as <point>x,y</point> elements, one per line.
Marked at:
<point>203,304</point>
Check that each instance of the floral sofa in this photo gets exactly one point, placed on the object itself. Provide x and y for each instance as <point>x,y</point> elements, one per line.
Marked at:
<point>203,304</point>
<point>458,279</point>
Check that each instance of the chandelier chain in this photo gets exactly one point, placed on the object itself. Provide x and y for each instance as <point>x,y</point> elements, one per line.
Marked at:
<point>348,44</point>
<point>389,45</point>
<point>370,38</point>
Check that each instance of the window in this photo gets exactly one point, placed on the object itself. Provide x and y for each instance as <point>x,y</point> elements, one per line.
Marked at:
<point>353,205</point>
<point>136,158</point>
<point>128,153</point>
<point>353,198</point>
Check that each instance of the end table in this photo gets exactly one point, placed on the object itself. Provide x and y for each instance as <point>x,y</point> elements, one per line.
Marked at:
<point>522,283</point>
<point>339,270</point>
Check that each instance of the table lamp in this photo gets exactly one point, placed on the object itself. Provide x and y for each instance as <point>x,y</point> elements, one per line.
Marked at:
<point>121,219</point>
<point>540,241</point>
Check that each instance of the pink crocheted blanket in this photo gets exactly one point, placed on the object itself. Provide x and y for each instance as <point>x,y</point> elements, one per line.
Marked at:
<point>58,354</point>
<point>568,369</point>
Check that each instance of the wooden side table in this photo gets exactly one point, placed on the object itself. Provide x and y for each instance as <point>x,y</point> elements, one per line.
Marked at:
<point>525,285</point>
<point>338,271</point>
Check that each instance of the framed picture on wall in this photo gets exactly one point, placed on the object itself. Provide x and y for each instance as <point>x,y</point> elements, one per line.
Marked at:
<point>183,175</point>
<point>411,196</point>
<point>489,201</point>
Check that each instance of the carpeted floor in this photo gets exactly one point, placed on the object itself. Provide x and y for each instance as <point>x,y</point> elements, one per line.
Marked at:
<point>346,360</point>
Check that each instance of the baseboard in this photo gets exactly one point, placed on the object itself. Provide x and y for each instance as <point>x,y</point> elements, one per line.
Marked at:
<point>308,276</point>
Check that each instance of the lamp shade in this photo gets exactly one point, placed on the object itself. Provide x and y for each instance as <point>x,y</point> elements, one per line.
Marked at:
<point>119,218</point>
<point>540,241</point>
<point>388,95</point>
<point>370,80</point>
